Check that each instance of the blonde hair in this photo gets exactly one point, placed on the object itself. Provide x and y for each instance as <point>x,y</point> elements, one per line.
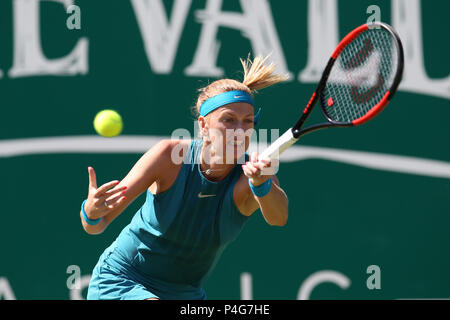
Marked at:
<point>257,75</point>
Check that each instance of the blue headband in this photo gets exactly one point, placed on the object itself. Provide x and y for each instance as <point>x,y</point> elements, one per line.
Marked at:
<point>226,98</point>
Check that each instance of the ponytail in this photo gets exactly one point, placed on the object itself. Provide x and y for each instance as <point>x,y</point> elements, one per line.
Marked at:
<point>257,75</point>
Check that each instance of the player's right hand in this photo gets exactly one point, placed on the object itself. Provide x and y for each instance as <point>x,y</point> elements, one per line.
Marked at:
<point>101,201</point>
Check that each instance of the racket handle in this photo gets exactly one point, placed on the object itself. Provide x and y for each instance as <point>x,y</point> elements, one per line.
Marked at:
<point>279,146</point>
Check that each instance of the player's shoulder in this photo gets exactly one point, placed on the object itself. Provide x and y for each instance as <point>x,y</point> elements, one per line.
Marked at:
<point>177,142</point>
<point>172,149</point>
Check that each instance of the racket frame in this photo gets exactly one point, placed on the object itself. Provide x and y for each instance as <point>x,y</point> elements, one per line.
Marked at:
<point>318,94</point>
<point>293,134</point>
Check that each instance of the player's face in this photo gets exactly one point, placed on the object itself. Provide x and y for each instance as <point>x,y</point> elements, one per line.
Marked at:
<point>232,127</point>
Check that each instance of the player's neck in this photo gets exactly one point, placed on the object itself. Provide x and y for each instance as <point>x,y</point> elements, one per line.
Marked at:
<point>212,165</point>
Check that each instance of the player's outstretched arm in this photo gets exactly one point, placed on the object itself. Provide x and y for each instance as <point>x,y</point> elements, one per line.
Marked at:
<point>111,199</point>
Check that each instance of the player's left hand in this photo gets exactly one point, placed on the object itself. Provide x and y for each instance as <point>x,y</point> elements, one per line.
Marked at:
<point>257,170</point>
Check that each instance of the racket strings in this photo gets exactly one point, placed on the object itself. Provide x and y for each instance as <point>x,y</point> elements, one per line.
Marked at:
<point>361,76</point>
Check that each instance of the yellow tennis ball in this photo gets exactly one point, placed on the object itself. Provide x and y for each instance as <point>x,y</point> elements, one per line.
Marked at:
<point>108,123</point>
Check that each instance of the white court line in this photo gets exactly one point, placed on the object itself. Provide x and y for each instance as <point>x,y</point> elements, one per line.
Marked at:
<point>140,144</point>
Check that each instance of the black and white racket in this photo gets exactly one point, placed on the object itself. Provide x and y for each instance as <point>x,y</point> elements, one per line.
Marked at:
<point>359,80</point>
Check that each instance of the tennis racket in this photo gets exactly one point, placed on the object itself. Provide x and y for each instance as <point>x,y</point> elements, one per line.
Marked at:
<point>359,80</point>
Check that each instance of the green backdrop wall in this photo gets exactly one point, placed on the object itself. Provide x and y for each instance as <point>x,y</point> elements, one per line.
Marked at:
<point>378,212</point>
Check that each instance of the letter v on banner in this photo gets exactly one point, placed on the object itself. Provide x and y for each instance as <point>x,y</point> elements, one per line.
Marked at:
<point>255,22</point>
<point>161,36</point>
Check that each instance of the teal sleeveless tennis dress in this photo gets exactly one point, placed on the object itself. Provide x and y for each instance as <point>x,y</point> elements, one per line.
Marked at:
<point>173,240</point>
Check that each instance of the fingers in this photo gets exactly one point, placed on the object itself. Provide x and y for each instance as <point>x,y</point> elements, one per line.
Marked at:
<point>100,201</point>
<point>257,171</point>
<point>102,191</point>
<point>254,157</point>
<point>111,201</point>
<point>260,165</point>
<point>114,202</point>
<point>92,178</point>
<point>109,193</point>
<point>251,168</point>
<point>254,174</point>
<point>247,171</point>
<point>266,161</point>
<point>112,198</point>
<point>105,187</point>
<point>103,208</point>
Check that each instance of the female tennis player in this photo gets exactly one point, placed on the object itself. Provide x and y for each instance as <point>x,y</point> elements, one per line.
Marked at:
<point>194,207</point>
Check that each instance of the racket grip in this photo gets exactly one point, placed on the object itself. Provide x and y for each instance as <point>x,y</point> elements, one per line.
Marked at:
<point>279,146</point>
